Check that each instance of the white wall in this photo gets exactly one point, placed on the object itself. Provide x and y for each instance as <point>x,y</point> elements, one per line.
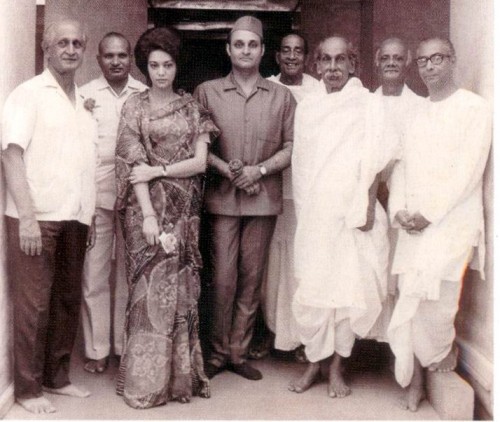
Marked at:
<point>17,32</point>
<point>471,31</point>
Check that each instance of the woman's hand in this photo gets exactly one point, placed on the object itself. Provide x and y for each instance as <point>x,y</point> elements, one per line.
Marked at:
<point>150,229</point>
<point>142,173</point>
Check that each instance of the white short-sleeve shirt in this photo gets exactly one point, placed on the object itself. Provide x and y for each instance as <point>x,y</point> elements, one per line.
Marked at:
<point>59,143</point>
<point>108,105</point>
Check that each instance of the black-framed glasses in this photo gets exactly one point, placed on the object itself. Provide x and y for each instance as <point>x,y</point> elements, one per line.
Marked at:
<point>436,58</point>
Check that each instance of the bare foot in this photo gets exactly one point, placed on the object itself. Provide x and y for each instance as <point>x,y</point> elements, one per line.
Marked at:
<point>96,366</point>
<point>336,384</point>
<point>37,405</point>
<point>448,364</point>
<point>411,400</point>
<point>416,390</point>
<point>69,390</point>
<point>306,380</point>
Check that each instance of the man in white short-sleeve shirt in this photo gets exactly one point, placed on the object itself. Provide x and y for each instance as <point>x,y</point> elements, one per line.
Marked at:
<point>48,143</point>
<point>106,94</point>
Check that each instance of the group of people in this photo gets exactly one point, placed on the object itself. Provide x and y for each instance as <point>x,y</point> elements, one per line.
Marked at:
<point>116,168</point>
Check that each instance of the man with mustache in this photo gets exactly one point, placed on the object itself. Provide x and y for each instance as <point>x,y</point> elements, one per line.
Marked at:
<point>341,245</point>
<point>436,201</point>
<point>106,96</point>
<point>279,283</point>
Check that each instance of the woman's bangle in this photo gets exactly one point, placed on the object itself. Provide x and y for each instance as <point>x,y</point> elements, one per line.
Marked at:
<point>164,170</point>
<point>149,215</point>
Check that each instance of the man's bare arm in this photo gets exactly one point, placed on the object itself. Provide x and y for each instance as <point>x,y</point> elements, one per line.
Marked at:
<point>17,185</point>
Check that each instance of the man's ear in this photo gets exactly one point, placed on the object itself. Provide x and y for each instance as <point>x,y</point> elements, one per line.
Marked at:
<point>377,58</point>
<point>228,49</point>
<point>276,58</point>
<point>409,58</point>
<point>263,50</point>
<point>352,68</point>
<point>316,67</point>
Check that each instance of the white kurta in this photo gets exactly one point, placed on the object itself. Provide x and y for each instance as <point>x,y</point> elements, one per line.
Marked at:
<point>397,109</point>
<point>445,151</point>
<point>279,283</point>
<point>335,159</point>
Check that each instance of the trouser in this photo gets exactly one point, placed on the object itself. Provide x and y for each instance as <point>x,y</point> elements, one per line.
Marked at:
<point>239,251</point>
<point>97,288</point>
<point>46,293</point>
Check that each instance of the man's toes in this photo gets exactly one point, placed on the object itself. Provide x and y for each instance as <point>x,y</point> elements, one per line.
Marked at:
<point>402,403</point>
<point>295,388</point>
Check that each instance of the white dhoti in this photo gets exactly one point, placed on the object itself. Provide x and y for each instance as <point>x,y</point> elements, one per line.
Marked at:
<point>279,284</point>
<point>341,271</point>
<point>440,176</point>
<point>423,328</point>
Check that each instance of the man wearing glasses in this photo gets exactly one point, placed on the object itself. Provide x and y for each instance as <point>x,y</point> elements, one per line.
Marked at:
<point>436,202</point>
<point>341,246</point>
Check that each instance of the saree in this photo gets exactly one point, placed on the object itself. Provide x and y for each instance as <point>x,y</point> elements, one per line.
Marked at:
<point>161,356</point>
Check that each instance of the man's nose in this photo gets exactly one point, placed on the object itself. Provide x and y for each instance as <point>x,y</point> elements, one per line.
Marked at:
<point>115,60</point>
<point>246,49</point>
<point>70,48</point>
<point>429,65</point>
<point>293,54</point>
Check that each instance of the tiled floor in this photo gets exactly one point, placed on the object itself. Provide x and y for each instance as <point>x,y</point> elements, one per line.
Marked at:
<point>374,397</point>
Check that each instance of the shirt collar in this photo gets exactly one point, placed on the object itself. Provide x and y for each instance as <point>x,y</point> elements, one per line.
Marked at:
<point>132,83</point>
<point>49,80</point>
<point>229,83</point>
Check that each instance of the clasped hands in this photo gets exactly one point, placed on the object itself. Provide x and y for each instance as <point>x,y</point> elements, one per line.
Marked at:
<point>247,179</point>
<point>413,224</point>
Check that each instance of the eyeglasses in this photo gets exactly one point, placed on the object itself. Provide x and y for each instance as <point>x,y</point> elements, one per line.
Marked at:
<point>436,58</point>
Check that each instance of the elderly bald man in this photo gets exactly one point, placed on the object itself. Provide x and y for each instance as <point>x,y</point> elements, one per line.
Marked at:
<point>49,159</point>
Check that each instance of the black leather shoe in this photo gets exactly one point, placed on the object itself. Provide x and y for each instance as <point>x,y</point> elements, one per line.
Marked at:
<point>246,371</point>
<point>212,370</point>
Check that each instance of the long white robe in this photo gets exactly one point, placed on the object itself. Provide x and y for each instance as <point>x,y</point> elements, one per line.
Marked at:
<point>445,151</point>
<point>279,283</point>
<point>340,269</point>
<point>397,109</point>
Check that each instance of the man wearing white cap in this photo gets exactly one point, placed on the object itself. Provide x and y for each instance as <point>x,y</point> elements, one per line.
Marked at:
<point>244,190</point>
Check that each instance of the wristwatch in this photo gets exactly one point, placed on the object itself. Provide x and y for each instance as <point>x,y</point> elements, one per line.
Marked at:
<point>262,169</point>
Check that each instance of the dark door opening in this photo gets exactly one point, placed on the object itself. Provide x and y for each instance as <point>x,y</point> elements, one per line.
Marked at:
<point>204,35</point>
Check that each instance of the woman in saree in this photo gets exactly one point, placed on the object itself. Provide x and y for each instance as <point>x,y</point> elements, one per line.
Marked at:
<point>161,155</point>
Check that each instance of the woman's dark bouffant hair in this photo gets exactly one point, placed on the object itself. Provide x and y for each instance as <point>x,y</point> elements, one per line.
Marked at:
<point>165,39</point>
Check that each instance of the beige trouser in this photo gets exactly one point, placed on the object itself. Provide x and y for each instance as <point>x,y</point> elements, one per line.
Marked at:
<point>97,303</point>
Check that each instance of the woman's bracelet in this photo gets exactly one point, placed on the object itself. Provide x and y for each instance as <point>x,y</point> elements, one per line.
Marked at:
<point>164,170</point>
<point>149,215</point>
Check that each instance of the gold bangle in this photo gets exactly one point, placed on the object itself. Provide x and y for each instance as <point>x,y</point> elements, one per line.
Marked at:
<point>149,215</point>
<point>164,171</point>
